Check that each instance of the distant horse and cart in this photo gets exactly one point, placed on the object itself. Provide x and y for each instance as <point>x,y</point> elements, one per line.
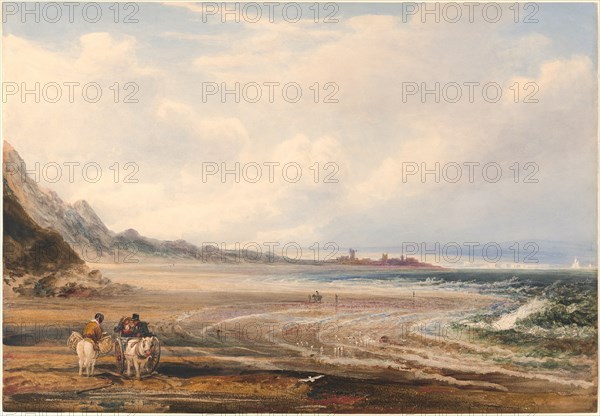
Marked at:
<point>315,297</point>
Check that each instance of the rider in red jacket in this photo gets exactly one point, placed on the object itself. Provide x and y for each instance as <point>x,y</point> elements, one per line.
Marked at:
<point>133,327</point>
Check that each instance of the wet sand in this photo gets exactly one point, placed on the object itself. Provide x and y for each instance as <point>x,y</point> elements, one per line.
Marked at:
<point>240,348</point>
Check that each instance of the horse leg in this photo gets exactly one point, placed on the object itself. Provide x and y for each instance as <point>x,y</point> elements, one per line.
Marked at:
<point>93,364</point>
<point>136,363</point>
<point>80,360</point>
<point>128,367</point>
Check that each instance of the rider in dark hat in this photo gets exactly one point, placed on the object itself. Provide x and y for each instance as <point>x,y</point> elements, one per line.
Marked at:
<point>133,327</point>
<point>140,326</point>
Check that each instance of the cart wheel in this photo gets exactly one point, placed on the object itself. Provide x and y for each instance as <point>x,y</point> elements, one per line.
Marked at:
<point>154,356</point>
<point>119,356</point>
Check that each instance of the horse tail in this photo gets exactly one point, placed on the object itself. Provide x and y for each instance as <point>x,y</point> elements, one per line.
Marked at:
<point>85,352</point>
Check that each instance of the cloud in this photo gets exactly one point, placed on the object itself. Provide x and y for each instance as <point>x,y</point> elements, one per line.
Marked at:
<point>369,134</point>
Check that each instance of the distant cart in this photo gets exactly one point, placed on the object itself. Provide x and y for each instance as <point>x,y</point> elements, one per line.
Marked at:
<point>121,344</point>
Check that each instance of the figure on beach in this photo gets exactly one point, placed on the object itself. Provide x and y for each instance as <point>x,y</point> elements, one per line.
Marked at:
<point>87,345</point>
<point>93,330</point>
<point>316,297</point>
<point>132,327</point>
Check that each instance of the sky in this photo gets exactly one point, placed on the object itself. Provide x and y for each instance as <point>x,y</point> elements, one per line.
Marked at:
<point>366,139</point>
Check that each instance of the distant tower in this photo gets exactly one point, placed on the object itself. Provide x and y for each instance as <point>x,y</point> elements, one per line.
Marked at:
<point>352,254</point>
<point>384,257</point>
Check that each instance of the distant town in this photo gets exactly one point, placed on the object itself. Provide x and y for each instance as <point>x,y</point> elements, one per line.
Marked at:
<point>385,260</point>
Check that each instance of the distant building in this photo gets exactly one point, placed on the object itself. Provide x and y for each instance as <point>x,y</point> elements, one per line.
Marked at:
<point>352,254</point>
<point>384,257</point>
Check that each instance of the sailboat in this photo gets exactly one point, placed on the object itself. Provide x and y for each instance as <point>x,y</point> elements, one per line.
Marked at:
<point>575,264</point>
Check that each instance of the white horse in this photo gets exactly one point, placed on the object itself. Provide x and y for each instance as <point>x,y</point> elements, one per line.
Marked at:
<point>85,350</point>
<point>87,357</point>
<point>138,352</point>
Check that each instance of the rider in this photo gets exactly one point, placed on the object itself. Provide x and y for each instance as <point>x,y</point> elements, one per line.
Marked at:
<point>133,327</point>
<point>93,330</point>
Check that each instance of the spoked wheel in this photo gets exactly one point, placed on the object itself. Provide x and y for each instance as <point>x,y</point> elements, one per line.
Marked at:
<point>154,356</point>
<point>119,356</point>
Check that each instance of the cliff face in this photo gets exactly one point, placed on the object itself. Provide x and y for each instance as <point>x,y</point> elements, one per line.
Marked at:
<point>38,261</point>
<point>29,248</point>
<point>80,226</point>
<point>78,223</point>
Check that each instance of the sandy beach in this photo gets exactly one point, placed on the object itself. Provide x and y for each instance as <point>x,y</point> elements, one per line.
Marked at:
<point>233,342</point>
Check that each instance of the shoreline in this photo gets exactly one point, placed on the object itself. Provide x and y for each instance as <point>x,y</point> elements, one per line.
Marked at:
<point>228,346</point>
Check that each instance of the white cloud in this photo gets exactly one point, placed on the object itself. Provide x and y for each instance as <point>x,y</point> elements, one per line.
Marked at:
<point>369,134</point>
